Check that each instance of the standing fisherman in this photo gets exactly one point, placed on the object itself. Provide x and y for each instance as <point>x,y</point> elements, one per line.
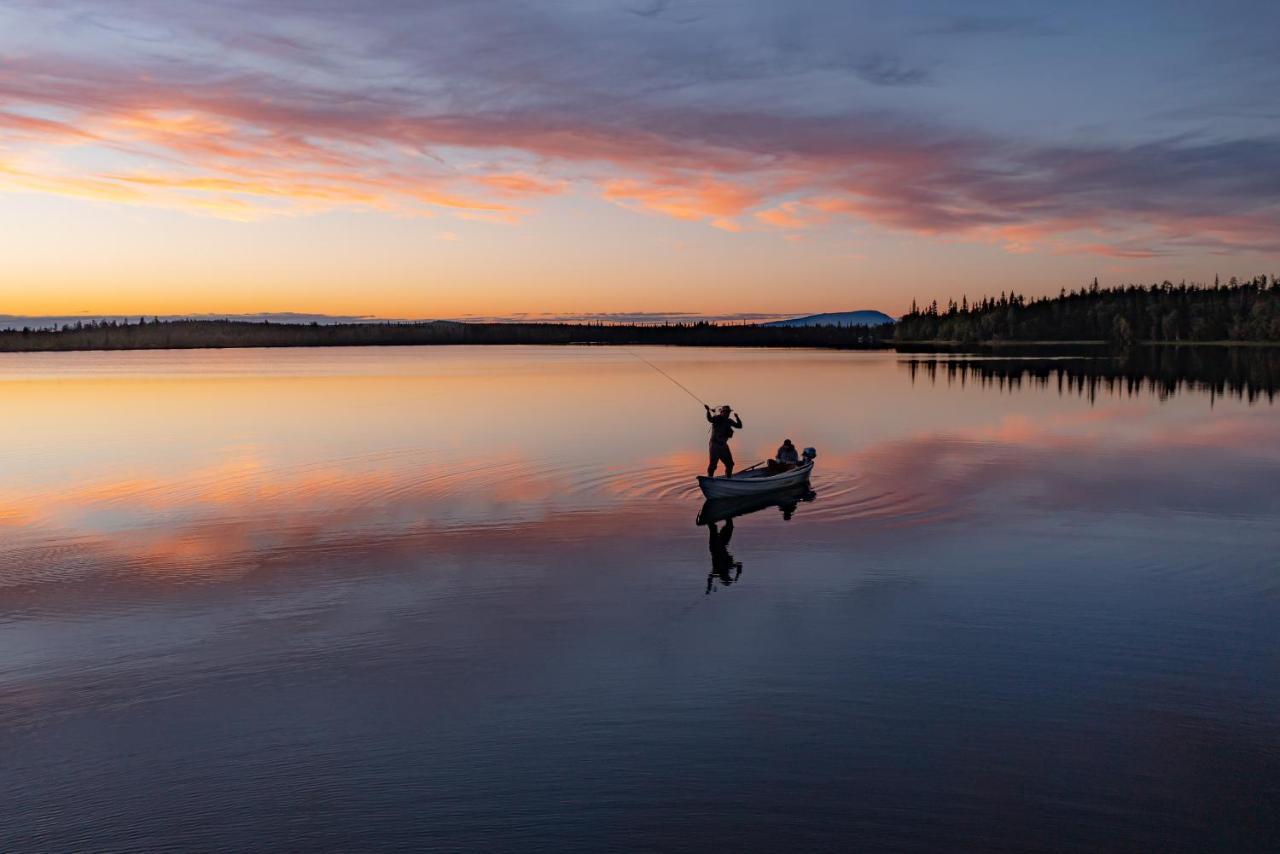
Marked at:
<point>721,431</point>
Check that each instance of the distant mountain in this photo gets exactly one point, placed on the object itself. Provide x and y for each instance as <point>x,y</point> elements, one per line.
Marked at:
<point>837,318</point>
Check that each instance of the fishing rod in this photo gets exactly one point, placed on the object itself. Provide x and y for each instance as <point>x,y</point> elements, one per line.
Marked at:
<point>679,384</point>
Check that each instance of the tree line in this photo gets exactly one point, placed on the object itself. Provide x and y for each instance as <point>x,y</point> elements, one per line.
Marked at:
<point>1243,311</point>
<point>198,334</point>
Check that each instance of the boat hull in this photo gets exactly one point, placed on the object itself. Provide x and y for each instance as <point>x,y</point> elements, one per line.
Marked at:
<point>756,482</point>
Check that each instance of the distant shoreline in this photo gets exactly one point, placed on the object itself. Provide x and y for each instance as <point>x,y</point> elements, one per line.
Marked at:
<point>218,334</point>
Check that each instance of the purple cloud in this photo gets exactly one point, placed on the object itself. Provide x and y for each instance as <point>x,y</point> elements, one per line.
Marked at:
<point>737,115</point>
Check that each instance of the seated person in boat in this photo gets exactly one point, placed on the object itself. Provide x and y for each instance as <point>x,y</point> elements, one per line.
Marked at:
<point>785,459</point>
<point>721,431</point>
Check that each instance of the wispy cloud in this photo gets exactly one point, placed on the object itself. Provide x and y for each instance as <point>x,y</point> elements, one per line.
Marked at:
<point>480,110</point>
<point>982,25</point>
<point>891,71</point>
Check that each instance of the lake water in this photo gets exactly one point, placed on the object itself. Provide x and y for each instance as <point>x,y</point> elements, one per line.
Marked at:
<point>456,599</point>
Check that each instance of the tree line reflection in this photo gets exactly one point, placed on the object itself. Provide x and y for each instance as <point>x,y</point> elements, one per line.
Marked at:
<point>1251,374</point>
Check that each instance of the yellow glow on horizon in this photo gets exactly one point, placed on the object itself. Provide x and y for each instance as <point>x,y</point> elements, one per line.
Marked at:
<point>574,253</point>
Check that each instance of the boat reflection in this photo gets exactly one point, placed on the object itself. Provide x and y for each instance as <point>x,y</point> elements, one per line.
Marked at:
<point>717,515</point>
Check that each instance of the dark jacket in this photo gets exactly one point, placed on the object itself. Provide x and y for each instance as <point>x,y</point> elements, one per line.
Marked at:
<point>722,426</point>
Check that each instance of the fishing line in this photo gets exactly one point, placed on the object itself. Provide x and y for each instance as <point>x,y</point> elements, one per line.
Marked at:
<point>668,376</point>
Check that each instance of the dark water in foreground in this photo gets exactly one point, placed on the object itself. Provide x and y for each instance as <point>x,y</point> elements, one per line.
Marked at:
<point>455,599</point>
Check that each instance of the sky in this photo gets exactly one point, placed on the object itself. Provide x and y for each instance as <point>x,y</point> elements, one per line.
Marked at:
<point>727,158</point>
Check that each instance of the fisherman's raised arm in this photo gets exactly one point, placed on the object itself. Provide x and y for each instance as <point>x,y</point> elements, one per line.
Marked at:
<point>737,421</point>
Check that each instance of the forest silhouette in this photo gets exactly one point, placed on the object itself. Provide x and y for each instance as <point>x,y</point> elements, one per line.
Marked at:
<point>1238,311</point>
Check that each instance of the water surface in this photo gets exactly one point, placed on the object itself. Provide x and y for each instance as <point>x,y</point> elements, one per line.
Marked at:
<point>455,598</point>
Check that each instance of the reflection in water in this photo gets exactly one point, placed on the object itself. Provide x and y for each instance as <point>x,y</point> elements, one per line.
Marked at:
<point>722,562</point>
<point>236,585</point>
<point>718,515</point>
<point>1249,373</point>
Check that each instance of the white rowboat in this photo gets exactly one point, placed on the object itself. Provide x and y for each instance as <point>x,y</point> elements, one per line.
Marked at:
<point>754,481</point>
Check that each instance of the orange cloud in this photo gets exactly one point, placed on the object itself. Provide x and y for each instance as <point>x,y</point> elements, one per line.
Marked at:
<point>703,199</point>
<point>523,185</point>
<point>252,144</point>
<point>783,216</point>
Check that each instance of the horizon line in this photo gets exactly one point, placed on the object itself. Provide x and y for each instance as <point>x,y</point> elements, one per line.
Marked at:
<point>620,317</point>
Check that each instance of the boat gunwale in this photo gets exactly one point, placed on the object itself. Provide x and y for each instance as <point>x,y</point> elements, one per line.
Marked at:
<point>755,483</point>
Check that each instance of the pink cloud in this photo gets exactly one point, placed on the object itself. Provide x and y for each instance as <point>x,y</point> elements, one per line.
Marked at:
<point>788,215</point>
<point>246,145</point>
<point>702,199</point>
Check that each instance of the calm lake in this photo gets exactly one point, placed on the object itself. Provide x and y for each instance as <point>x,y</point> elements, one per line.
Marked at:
<point>458,599</point>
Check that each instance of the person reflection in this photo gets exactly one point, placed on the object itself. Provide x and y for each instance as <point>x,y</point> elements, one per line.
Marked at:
<point>722,562</point>
<point>718,515</point>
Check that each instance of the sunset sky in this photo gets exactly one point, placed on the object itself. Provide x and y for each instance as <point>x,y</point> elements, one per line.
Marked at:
<point>405,158</point>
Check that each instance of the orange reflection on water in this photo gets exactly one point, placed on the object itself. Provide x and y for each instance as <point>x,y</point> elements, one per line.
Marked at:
<point>213,464</point>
